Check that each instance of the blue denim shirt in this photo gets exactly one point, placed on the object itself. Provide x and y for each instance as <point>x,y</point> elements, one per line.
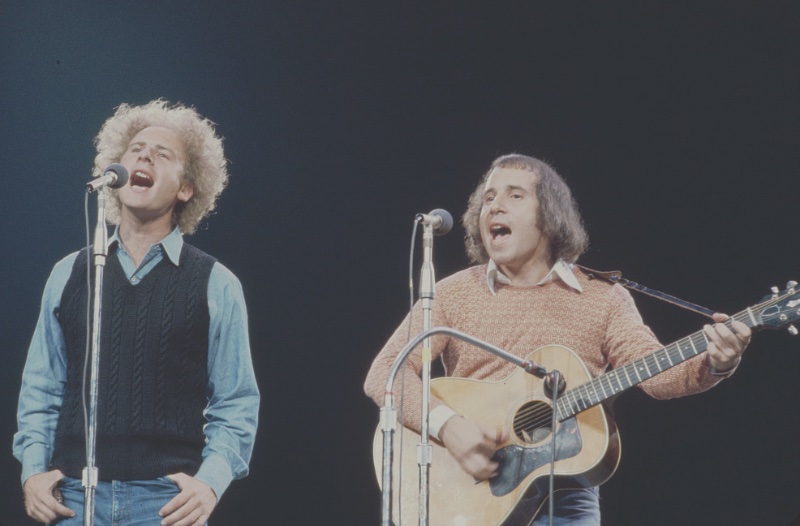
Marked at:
<point>232,410</point>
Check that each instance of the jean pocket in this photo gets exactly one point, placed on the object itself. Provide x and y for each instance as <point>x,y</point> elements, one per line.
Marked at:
<point>168,481</point>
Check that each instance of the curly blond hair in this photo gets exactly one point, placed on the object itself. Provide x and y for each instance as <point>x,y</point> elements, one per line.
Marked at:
<point>558,219</point>
<point>206,167</point>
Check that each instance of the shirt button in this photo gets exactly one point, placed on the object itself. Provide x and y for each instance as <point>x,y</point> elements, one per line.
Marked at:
<point>134,279</point>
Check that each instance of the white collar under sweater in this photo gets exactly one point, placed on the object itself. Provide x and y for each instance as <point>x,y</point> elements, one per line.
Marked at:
<point>561,270</point>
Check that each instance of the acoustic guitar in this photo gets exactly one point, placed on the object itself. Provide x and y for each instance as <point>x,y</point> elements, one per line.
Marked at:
<point>587,441</point>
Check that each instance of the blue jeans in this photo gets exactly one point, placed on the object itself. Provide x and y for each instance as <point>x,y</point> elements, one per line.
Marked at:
<point>119,503</point>
<point>580,507</point>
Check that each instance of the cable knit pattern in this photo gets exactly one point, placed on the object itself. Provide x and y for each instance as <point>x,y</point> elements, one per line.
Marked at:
<point>153,370</point>
<point>162,377</point>
<point>601,324</point>
<point>73,321</point>
<point>139,351</point>
<point>187,380</point>
<point>114,365</point>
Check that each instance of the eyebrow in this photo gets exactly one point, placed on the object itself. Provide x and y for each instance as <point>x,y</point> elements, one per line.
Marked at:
<point>508,187</point>
<point>158,146</point>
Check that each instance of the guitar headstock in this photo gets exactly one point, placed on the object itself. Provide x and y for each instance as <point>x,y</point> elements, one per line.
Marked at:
<point>780,309</point>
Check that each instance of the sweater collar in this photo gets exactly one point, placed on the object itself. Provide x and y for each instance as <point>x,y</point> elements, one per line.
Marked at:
<point>560,270</point>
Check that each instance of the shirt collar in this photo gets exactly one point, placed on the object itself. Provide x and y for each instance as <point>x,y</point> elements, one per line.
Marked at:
<point>561,270</point>
<point>172,244</point>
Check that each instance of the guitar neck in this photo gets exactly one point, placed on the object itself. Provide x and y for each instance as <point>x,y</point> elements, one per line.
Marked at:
<point>618,380</point>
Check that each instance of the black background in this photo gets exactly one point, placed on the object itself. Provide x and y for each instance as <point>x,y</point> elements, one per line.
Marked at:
<point>676,125</point>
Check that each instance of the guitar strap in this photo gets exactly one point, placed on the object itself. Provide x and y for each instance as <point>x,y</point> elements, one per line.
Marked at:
<point>615,276</point>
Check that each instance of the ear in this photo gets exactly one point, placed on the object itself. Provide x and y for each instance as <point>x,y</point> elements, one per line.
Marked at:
<point>186,192</point>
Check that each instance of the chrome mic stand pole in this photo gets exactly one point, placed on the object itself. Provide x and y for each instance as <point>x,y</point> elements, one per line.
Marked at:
<point>99,252</point>
<point>427,291</point>
<point>389,413</point>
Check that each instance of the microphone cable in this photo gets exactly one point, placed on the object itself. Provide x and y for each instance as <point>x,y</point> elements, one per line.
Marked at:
<point>88,321</point>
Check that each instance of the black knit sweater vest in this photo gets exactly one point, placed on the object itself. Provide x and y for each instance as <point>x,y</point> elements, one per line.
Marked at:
<point>153,373</point>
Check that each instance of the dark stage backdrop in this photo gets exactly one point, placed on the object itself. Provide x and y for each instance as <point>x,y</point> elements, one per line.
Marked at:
<point>676,124</point>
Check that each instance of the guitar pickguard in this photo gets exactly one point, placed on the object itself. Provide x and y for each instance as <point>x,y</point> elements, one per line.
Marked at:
<point>517,462</point>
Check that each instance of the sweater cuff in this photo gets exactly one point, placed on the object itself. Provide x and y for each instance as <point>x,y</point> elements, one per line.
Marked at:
<point>437,419</point>
<point>215,472</point>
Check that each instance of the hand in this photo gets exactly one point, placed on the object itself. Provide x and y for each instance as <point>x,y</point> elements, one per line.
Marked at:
<point>192,506</point>
<point>725,347</point>
<point>40,504</point>
<point>472,446</point>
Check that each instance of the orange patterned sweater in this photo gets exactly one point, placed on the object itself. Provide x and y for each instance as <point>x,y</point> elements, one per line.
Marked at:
<point>601,324</point>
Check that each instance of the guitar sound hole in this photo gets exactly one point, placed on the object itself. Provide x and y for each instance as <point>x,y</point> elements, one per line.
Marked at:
<point>532,423</point>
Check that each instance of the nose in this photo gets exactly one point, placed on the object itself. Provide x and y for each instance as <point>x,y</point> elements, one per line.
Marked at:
<point>145,155</point>
<point>498,204</point>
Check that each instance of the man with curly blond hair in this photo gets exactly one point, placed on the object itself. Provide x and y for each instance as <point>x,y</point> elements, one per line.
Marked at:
<point>524,233</point>
<point>178,401</point>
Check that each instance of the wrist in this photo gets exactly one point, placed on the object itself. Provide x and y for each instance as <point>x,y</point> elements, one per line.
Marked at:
<point>722,370</point>
<point>438,418</point>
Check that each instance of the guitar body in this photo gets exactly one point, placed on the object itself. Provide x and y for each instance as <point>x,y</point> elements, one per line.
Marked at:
<point>588,448</point>
<point>587,443</point>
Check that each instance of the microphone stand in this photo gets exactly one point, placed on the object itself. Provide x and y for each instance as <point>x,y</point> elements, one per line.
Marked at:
<point>99,252</point>
<point>389,413</point>
<point>427,291</point>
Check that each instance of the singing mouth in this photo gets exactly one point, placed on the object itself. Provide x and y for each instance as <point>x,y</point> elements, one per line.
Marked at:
<point>498,231</point>
<point>139,178</point>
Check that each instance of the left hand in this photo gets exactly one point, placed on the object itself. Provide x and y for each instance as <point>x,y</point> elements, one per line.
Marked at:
<point>192,506</point>
<point>725,347</point>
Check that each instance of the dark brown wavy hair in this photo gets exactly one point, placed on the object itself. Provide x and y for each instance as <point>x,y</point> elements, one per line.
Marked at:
<point>558,218</point>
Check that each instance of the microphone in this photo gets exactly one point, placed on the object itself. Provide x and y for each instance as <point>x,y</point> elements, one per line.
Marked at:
<point>114,176</point>
<point>554,382</point>
<point>439,219</point>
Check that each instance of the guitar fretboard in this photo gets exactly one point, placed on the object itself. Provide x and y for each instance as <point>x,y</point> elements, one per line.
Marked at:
<point>614,382</point>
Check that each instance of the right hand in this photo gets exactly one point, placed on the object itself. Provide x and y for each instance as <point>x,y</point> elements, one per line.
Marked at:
<point>472,446</point>
<point>40,504</point>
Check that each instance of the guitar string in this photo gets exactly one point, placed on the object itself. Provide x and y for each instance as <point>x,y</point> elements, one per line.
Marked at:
<point>535,417</point>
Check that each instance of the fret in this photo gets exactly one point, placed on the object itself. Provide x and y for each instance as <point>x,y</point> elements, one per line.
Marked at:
<point>580,401</point>
<point>695,347</point>
<point>616,377</point>
<point>560,408</point>
<point>625,370</point>
<point>603,387</point>
<point>609,377</point>
<point>653,359</point>
<point>635,369</point>
<point>669,358</point>
<point>572,404</point>
<point>662,356</point>
<point>680,351</point>
<point>752,318</point>
<point>600,381</point>
<point>644,361</point>
<point>587,399</point>
<point>594,388</point>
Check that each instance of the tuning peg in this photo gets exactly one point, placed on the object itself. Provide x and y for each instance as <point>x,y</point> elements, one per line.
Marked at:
<point>792,330</point>
<point>775,291</point>
<point>791,285</point>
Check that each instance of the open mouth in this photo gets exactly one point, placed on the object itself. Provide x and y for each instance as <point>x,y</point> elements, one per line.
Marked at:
<point>499,231</point>
<point>139,178</point>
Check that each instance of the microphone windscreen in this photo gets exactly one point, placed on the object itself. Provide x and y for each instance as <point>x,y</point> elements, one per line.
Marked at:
<point>122,175</point>
<point>447,221</point>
